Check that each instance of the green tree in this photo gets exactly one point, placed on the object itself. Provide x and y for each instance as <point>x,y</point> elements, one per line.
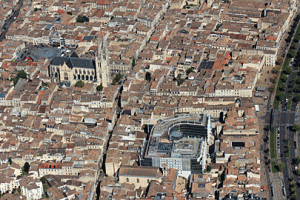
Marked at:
<point>10,161</point>
<point>283,77</point>
<point>43,179</point>
<point>209,168</point>
<point>179,80</point>
<point>297,89</point>
<point>280,166</point>
<point>272,88</point>
<point>79,84</point>
<point>296,127</point>
<point>296,98</point>
<point>292,53</point>
<point>293,189</point>
<point>117,78</point>
<point>280,95</point>
<point>133,62</point>
<point>267,150</point>
<point>69,13</point>
<point>279,61</point>
<point>148,76</point>
<point>298,160</point>
<point>26,168</point>
<point>82,19</point>
<point>217,27</point>
<point>298,172</point>
<point>99,88</point>
<point>190,70</point>
<point>288,70</point>
<point>35,9</point>
<point>21,74</point>
<point>281,86</point>
<point>273,79</point>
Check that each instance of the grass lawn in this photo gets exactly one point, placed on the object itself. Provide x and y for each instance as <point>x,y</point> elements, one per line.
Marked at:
<point>289,104</point>
<point>287,149</point>
<point>273,144</point>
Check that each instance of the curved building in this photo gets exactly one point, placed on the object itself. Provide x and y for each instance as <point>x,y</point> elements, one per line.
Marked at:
<point>178,142</point>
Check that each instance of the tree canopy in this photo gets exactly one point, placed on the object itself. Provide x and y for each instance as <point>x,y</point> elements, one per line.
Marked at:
<point>26,167</point>
<point>296,98</point>
<point>287,70</point>
<point>190,70</point>
<point>82,19</point>
<point>148,76</point>
<point>280,95</point>
<point>283,77</point>
<point>280,166</point>
<point>296,127</point>
<point>133,62</point>
<point>79,84</point>
<point>21,74</point>
<point>281,86</point>
<point>179,80</point>
<point>99,88</point>
<point>117,78</point>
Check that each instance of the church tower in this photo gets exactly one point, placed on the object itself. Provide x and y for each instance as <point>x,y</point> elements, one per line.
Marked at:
<point>101,65</point>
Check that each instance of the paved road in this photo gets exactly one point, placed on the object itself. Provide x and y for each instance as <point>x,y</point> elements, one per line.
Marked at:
<point>15,13</point>
<point>283,120</point>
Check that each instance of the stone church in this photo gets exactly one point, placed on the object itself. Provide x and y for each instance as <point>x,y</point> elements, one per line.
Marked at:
<point>72,69</point>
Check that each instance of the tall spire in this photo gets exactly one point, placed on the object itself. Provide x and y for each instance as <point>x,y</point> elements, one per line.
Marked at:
<point>101,64</point>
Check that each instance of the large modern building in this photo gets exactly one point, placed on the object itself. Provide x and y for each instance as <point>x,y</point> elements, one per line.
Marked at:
<point>178,142</point>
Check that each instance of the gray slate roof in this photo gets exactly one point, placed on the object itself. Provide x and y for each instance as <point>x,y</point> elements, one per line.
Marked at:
<point>73,62</point>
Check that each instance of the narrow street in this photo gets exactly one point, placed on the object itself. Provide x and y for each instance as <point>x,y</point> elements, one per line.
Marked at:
<point>15,13</point>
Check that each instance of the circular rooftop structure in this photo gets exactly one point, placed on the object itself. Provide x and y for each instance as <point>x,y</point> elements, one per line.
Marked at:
<point>180,126</point>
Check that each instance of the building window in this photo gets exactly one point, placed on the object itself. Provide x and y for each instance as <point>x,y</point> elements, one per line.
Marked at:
<point>127,179</point>
<point>137,180</point>
<point>66,76</point>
